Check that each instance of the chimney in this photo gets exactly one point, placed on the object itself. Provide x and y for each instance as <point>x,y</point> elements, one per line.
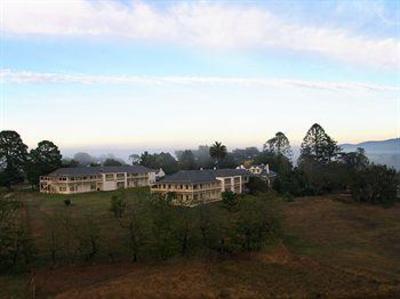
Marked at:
<point>267,168</point>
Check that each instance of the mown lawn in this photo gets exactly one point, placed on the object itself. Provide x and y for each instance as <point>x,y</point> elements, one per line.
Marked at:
<point>330,248</point>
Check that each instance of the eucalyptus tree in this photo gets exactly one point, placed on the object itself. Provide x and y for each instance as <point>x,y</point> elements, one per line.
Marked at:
<point>279,144</point>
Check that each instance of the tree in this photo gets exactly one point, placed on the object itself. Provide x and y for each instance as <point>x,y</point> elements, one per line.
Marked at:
<point>355,160</point>
<point>256,225</point>
<point>186,160</point>
<point>156,161</point>
<point>16,247</point>
<point>13,155</point>
<point>218,152</point>
<point>136,221</point>
<point>230,199</point>
<point>242,155</point>
<point>375,184</point>
<point>164,229</point>
<point>67,162</point>
<point>42,160</point>
<point>134,158</point>
<point>202,156</point>
<point>277,162</point>
<point>111,162</point>
<point>118,205</point>
<point>318,145</point>
<point>84,159</point>
<point>88,238</point>
<point>279,145</point>
<point>256,184</point>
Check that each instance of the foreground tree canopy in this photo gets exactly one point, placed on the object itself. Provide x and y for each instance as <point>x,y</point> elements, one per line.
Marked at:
<point>42,160</point>
<point>13,155</point>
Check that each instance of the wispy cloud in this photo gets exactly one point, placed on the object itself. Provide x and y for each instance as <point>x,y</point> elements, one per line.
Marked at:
<point>22,77</point>
<point>201,24</point>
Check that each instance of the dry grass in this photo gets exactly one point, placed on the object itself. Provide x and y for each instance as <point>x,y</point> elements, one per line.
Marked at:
<point>331,249</point>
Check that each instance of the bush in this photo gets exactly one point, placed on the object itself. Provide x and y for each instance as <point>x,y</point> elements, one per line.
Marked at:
<point>256,185</point>
<point>118,205</point>
<point>375,184</point>
<point>67,202</point>
<point>229,199</point>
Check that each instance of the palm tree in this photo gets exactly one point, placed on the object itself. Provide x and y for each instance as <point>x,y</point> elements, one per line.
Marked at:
<point>218,152</point>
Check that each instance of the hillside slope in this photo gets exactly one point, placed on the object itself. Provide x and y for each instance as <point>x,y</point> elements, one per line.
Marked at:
<point>331,249</point>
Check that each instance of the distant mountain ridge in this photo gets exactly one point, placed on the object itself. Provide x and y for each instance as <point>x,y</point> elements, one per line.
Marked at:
<point>383,146</point>
<point>380,152</point>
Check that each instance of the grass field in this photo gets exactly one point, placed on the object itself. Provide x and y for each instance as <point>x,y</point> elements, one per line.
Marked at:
<point>330,248</point>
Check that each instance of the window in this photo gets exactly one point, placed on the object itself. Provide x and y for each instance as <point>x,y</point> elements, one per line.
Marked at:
<point>72,188</point>
<point>92,186</point>
<point>109,177</point>
<point>63,188</point>
<point>187,187</point>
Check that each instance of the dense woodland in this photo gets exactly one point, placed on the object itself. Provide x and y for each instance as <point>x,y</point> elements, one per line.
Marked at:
<point>154,229</point>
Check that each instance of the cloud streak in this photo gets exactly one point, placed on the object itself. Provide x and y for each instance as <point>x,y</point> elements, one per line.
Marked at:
<point>28,77</point>
<point>198,24</point>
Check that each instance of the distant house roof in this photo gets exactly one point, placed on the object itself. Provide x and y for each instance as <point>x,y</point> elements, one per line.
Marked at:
<point>189,177</point>
<point>271,173</point>
<point>79,171</point>
<point>201,176</point>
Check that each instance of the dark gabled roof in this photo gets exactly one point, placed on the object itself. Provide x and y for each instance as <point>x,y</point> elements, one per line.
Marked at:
<point>80,171</point>
<point>189,177</point>
<point>231,172</point>
<point>201,176</point>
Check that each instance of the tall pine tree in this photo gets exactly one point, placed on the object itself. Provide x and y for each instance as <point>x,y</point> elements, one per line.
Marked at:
<point>318,146</point>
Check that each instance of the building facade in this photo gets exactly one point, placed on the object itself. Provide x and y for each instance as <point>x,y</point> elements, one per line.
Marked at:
<point>193,187</point>
<point>262,171</point>
<point>90,179</point>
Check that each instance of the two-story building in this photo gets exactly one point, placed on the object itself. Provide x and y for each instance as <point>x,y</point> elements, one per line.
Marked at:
<point>90,179</point>
<point>192,187</point>
<point>262,171</point>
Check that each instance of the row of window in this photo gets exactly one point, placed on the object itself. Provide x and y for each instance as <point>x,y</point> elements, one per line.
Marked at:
<point>74,188</point>
<point>94,177</point>
<point>185,187</point>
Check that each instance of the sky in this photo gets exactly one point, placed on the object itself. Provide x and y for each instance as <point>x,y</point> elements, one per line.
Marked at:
<point>156,75</point>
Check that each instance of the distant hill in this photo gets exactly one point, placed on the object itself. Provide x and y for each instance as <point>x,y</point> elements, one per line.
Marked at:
<point>385,146</point>
<point>382,152</point>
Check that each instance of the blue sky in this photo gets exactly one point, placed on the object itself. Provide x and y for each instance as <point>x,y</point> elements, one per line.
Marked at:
<point>152,74</point>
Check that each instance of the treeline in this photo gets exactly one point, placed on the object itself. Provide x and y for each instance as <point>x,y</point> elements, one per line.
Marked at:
<point>321,168</point>
<point>17,164</point>
<point>324,168</point>
<point>142,227</point>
